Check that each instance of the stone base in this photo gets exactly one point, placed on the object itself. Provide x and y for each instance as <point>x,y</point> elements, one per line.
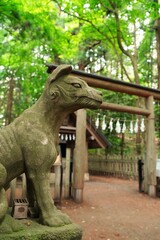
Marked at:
<point>86,177</point>
<point>27,229</point>
<point>152,190</point>
<point>78,195</point>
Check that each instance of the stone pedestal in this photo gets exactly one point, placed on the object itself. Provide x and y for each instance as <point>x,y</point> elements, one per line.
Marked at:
<point>12,229</point>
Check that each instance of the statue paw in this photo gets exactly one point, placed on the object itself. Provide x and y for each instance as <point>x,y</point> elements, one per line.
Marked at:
<point>58,219</point>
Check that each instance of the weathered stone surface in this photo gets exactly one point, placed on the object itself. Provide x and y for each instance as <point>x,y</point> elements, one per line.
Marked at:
<point>31,230</point>
<point>30,143</point>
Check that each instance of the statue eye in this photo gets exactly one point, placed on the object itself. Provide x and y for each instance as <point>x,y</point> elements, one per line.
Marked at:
<point>76,85</point>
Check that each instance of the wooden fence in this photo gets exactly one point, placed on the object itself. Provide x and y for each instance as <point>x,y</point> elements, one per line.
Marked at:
<point>111,166</point>
<point>114,166</point>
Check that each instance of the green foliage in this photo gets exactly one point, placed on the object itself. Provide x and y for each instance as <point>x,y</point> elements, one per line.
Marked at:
<point>27,36</point>
<point>115,38</point>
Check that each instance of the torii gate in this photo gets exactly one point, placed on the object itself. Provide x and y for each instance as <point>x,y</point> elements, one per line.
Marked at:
<point>129,88</point>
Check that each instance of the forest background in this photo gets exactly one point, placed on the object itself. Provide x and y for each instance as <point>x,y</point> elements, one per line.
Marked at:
<point>116,38</point>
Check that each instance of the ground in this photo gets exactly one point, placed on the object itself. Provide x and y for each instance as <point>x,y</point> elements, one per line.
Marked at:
<point>113,209</point>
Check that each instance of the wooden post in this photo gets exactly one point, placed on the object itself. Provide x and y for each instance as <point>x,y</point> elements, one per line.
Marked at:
<point>57,170</point>
<point>79,156</point>
<point>150,161</point>
<point>13,191</point>
<point>86,173</point>
<point>24,186</point>
<point>67,173</point>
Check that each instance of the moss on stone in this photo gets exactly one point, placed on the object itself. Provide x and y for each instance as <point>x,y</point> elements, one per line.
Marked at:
<point>12,229</point>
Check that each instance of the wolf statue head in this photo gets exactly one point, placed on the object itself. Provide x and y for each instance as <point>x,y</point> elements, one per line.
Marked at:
<point>69,92</point>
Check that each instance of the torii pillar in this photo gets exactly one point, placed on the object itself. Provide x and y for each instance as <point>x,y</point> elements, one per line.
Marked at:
<point>79,156</point>
<point>150,162</point>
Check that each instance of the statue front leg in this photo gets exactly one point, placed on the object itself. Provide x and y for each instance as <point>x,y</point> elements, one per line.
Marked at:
<point>48,213</point>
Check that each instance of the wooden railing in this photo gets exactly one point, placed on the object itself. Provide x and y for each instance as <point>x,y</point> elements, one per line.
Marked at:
<point>114,166</point>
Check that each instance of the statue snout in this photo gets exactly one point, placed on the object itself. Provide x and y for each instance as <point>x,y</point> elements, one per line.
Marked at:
<point>95,94</point>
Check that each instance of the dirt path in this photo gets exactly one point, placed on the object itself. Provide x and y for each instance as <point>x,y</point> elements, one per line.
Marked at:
<point>114,210</point>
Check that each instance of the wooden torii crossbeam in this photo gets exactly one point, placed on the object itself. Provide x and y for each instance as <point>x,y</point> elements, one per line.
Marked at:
<point>132,89</point>
<point>104,82</point>
<point>107,83</point>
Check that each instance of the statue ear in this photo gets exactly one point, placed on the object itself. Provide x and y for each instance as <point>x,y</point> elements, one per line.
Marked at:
<point>59,72</point>
<point>54,96</point>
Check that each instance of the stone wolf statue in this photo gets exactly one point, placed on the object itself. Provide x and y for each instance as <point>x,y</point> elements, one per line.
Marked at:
<point>30,143</point>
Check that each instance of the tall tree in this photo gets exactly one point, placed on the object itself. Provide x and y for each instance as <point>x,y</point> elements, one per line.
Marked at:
<point>29,37</point>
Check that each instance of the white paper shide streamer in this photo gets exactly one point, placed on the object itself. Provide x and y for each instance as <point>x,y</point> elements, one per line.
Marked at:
<point>118,126</point>
<point>142,127</point>
<point>136,127</point>
<point>131,127</point>
<point>111,125</point>
<point>97,121</point>
<point>104,125</point>
<point>124,127</point>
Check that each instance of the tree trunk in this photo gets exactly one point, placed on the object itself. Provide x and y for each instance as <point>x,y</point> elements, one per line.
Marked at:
<point>157,30</point>
<point>8,117</point>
